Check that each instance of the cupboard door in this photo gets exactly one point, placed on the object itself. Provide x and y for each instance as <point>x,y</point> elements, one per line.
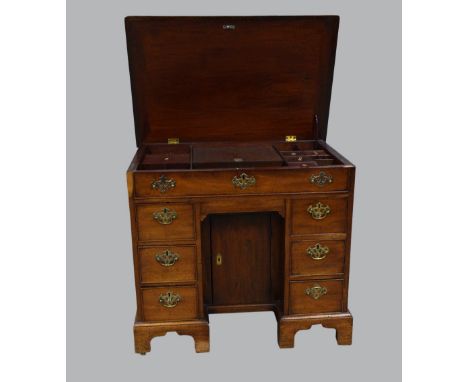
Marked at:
<point>241,263</point>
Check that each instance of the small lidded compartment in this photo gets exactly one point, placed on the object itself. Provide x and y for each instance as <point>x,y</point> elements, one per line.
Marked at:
<point>166,157</point>
<point>305,154</point>
<point>240,155</point>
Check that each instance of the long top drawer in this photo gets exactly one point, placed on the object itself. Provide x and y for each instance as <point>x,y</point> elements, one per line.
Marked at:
<point>239,182</point>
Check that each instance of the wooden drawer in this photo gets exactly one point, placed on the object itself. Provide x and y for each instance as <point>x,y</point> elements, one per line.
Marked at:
<point>167,264</point>
<point>165,222</point>
<point>323,257</point>
<point>321,215</point>
<point>324,296</point>
<point>213,182</point>
<point>184,308</point>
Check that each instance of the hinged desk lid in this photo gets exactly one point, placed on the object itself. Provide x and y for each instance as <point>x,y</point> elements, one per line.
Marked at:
<point>231,78</point>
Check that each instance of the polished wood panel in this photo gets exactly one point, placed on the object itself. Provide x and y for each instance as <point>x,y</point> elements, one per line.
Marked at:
<point>301,303</point>
<point>229,155</point>
<point>243,273</point>
<point>277,258</point>
<point>302,264</point>
<point>217,182</point>
<point>242,204</point>
<point>288,326</point>
<point>144,332</point>
<point>166,157</point>
<point>304,224</point>
<point>181,227</point>
<point>183,270</point>
<point>261,78</point>
<point>185,309</point>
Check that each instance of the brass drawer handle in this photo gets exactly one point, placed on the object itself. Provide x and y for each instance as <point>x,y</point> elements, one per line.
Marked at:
<point>243,181</point>
<point>316,291</point>
<point>319,211</point>
<point>167,258</point>
<point>165,216</point>
<point>318,251</point>
<point>169,300</point>
<point>163,184</point>
<point>321,179</point>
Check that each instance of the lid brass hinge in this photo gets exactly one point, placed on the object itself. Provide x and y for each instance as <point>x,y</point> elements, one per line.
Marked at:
<point>173,141</point>
<point>290,138</point>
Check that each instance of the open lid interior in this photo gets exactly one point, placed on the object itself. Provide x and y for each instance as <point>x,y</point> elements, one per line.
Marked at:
<point>258,78</point>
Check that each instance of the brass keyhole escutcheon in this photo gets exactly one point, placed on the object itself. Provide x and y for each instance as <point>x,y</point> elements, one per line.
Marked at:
<point>219,259</point>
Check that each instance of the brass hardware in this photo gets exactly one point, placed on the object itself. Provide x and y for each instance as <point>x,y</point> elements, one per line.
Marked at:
<point>238,160</point>
<point>163,184</point>
<point>219,259</point>
<point>169,300</point>
<point>316,291</point>
<point>319,211</point>
<point>290,138</point>
<point>173,141</point>
<point>167,258</point>
<point>166,216</point>
<point>318,251</point>
<point>321,179</point>
<point>243,181</point>
<point>229,26</point>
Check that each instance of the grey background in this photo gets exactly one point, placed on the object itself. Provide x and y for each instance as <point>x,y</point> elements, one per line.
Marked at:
<point>365,126</point>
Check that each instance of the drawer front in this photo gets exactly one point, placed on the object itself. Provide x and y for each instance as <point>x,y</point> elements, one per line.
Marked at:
<point>167,264</point>
<point>232,182</point>
<point>165,221</point>
<point>312,216</point>
<point>323,257</point>
<point>169,303</point>
<point>318,296</point>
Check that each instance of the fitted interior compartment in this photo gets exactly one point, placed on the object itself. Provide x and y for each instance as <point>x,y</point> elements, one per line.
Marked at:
<point>298,146</point>
<point>305,154</point>
<point>166,157</point>
<point>235,155</point>
<point>230,155</point>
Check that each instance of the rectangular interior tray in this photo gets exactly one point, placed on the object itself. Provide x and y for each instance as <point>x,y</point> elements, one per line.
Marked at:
<point>233,156</point>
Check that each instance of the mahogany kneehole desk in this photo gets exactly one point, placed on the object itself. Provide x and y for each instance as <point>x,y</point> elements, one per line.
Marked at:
<point>249,244</point>
<point>237,203</point>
